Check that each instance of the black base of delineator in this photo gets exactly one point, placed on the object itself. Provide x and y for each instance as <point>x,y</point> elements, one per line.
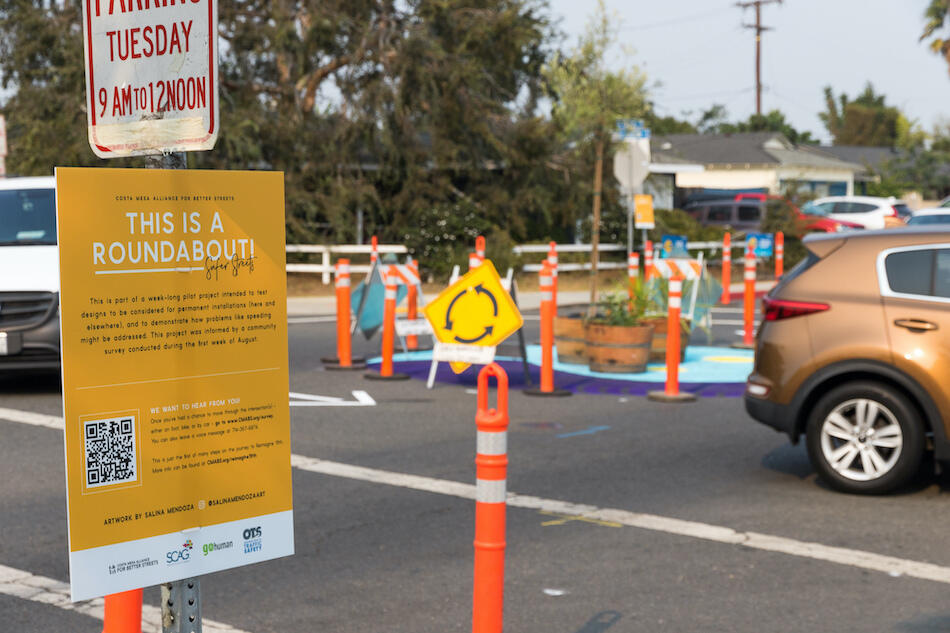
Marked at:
<point>662,396</point>
<point>338,367</point>
<point>536,391</point>
<point>395,376</point>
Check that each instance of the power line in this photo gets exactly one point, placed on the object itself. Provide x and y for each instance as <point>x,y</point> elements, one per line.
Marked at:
<point>759,29</point>
<point>673,21</point>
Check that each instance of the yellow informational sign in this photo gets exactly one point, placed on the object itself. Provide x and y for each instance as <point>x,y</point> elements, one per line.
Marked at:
<point>643,211</point>
<point>175,376</point>
<point>475,310</point>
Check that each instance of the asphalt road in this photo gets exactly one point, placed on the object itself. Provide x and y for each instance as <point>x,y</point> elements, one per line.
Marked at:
<point>687,517</point>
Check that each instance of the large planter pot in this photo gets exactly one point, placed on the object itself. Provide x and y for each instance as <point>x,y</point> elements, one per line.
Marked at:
<point>658,348</point>
<point>570,339</point>
<point>617,348</point>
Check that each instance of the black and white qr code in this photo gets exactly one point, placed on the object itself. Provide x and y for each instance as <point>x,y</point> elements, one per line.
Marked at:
<point>110,451</point>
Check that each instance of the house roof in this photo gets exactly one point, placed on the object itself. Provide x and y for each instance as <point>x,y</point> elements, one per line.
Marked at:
<point>875,158</point>
<point>747,148</point>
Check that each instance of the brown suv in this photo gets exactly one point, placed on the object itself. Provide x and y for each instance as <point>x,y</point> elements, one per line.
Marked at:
<point>854,352</point>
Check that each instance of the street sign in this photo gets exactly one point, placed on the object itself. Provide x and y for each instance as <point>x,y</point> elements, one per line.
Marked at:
<point>761,244</point>
<point>475,310</point>
<point>643,211</point>
<point>174,349</point>
<point>632,163</point>
<point>674,246</point>
<point>632,128</point>
<point>151,76</point>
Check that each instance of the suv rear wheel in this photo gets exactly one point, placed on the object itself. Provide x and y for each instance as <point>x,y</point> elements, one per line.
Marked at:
<point>864,437</point>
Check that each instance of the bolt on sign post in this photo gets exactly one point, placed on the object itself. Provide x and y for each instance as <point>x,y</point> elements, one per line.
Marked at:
<point>344,343</point>
<point>389,331</point>
<point>726,268</point>
<point>151,76</point>
<point>174,368</point>
<point>491,472</point>
<point>671,391</point>
<point>546,283</point>
<point>471,317</point>
<point>779,254</point>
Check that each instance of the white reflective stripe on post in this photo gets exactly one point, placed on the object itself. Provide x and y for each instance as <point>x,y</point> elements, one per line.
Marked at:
<point>342,282</point>
<point>554,273</point>
<point>779,248</point>
<point>343,269</point>
<point>552,259</point>
<point>547,295</point>
<point>675,302</point>
<point>545,281</point>
<point>492,443</point>
<point>490,490</point>
<point>726,255</point>
<point>391,293</point>
<point>750,274</point>
<point>676,287</point>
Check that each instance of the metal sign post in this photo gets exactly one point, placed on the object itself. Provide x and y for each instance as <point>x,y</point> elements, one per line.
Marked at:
<point>181,606</point>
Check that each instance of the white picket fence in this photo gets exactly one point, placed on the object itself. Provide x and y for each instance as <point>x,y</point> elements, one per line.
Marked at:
<point>325,267</point>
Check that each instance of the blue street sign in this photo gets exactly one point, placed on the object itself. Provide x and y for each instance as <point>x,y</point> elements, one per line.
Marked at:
<point>632,128</point>
<point>673,246</point>
<point>762,244</point>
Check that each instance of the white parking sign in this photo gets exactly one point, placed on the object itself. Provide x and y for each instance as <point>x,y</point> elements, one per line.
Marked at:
<point>151,75</point>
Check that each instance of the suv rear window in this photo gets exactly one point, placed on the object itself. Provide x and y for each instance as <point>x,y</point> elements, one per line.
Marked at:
<point>721,214</point>
<point>27,216</point>
<point>750,214</point>
<point>919,272</point>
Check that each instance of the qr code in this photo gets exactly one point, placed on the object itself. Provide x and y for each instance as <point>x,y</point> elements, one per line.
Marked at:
<point>110,451</point>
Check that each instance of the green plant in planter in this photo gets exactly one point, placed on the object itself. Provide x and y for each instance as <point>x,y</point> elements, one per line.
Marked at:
<point>619,308</point>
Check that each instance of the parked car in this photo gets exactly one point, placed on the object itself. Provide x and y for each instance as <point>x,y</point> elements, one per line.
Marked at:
<point>868,211</point>
<point>940,215</point>
<point>29,283</point>
<point>746,211</point>
<point>854,354</point>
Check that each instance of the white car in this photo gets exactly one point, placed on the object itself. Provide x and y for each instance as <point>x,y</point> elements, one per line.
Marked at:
<point>936,215</point>
<point>868,211</point>
<point>29,275</point>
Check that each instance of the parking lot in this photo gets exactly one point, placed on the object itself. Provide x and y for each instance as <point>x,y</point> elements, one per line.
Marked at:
<point>623,515</point>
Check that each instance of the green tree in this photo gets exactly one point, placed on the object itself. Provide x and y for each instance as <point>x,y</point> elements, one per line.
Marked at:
<point>867,120</point>
<point>936,17</point>
<point>715,121</point>
<point>588,98</point>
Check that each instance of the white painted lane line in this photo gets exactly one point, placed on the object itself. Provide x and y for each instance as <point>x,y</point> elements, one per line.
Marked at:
<point>694,529</point>
<point>312,319</point>
<point>35,419</point>
<point>362,399</point>
<point>26,586</point>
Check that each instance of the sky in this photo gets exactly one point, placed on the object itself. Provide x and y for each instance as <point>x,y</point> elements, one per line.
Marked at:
<point>696,53</point>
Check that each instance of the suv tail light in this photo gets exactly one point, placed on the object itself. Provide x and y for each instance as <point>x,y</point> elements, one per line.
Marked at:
<point>778,309</point>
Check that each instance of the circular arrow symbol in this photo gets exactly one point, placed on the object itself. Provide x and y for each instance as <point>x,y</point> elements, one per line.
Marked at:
<point>479,290</point>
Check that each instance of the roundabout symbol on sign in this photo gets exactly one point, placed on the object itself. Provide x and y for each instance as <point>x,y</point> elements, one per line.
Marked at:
<point>488,329</point>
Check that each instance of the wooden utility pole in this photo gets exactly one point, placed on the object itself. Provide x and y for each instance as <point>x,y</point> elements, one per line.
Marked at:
<point>758,44</point>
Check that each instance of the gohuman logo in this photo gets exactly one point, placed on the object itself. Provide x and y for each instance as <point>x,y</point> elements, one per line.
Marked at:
<point>207,548</point>
<point>180,555</point>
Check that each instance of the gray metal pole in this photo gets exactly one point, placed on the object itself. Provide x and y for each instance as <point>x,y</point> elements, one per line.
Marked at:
<point>359,226</point>
<point>181,603</point>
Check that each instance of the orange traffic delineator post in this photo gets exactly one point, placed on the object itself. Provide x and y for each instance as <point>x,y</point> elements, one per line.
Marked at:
<point>779,255</point>
<point>648,260</point>
<point>374,250</point>
<point>552,262</point>
<point>344,350</point>
<point>123,612</point>
<point>389,333</point>
<point>545,281</point>
<point>491,472</point>
<point>671,392</point>
<point>748,302</point>
<point>480,247</point>
<point>474,261</point>
<point>633,272</point>
<point>726,268</point>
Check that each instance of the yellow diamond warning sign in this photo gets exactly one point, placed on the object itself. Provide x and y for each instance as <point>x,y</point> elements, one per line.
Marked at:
<point>475,310</point>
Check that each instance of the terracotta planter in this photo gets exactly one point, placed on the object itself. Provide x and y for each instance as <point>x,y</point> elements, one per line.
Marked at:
<point>658,348</point>
<point>618,349</point>
<point>570,339</point>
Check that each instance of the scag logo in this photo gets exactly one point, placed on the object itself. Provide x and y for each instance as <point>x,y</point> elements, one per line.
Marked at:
<point>180,555</point>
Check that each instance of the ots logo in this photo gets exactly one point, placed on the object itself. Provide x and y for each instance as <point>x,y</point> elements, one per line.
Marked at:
<point>180,555</point>
<point>252,540</point>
